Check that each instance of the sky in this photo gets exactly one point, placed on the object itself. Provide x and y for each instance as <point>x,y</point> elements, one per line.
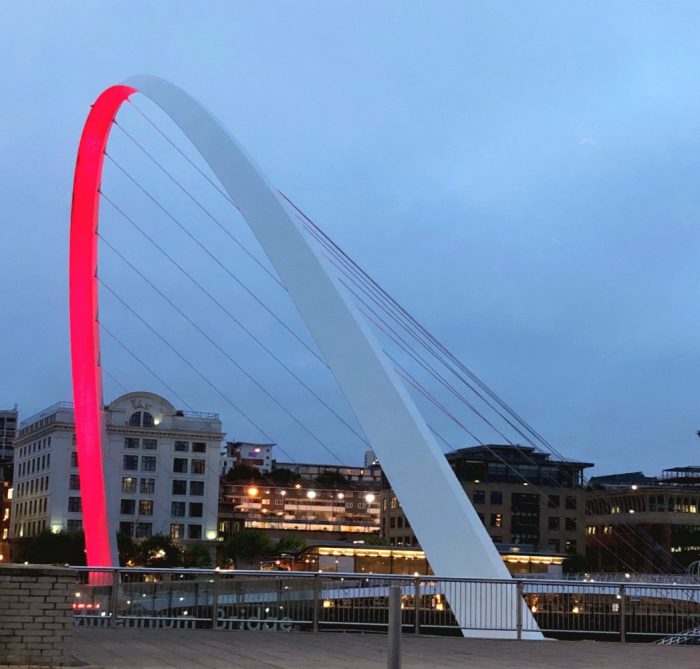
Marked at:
<point>521,176</point>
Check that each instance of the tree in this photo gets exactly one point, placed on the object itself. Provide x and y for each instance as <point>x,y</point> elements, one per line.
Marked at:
<point>49,548</point>
<point>242,473</point>
<point>282,476</point>
<point>290,543</point>
<point>159,551</point>
<point>247,546</point>
<point>128,550</point>
<point>196,556</point>
<point>331,480</point>
<point>575,563</point>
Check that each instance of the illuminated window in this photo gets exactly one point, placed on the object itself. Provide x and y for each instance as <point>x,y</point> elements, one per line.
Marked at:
<point>128,484</point>
<point>177,531</point>
<point>146,507</point>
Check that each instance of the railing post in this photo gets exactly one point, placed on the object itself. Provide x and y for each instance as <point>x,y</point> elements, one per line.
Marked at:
<point>114,598</point>
<point>394,657</point>
<point>519,610</point>
<point>622,609</point>
<point>215,602</point>
<point>416,606</point>
<point>317,599</point>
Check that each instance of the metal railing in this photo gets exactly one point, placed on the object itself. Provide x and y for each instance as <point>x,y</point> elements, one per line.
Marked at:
<point>317,601</point>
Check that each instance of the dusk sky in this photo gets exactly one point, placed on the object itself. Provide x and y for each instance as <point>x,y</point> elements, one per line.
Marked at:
<point>521,176</point>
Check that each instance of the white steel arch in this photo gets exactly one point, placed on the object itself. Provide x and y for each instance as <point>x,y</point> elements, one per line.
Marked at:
<point>449,530</point>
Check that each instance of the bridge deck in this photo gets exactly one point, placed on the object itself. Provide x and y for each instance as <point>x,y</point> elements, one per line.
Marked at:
<point>195,649</point>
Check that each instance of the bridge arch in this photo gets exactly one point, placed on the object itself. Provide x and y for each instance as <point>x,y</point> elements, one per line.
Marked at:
<point>450,532</point>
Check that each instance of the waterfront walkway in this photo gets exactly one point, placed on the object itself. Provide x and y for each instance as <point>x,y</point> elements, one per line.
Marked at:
<point>194,649</point>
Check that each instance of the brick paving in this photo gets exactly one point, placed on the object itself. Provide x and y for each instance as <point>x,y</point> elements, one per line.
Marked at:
<point>203,649</point>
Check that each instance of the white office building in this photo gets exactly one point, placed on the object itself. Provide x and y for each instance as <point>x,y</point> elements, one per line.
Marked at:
<point>162,470</point>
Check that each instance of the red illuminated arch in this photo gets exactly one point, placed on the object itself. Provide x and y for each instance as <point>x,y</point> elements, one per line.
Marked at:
<point>100,543</point>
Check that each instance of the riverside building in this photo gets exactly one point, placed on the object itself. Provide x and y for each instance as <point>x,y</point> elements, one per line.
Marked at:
<point>161,469</point>
<point>523,497</point>
<point>644,523</point>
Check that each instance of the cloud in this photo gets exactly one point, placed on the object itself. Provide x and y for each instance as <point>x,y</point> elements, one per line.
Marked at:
<point>588,141</point>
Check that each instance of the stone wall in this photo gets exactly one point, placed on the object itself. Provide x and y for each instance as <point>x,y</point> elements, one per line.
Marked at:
<point>36,615</point>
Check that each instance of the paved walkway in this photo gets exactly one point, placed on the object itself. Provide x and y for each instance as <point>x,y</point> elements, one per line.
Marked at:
<point>203,649</point>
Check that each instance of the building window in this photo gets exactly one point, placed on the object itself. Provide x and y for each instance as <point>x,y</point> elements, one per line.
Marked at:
<point>195,531</point>
<point>199,447</point>
<point>479,497</point>
<point>141,419</point>
<point>179,487</point>
<point>182,446</point>
<point>496,520</point>
<point>73,459</point>
<point>148,486</point>
<point>177,531</point>
<point>570,524</point>
<point>126,528</point>
<point>149,444</point>
<point>148,463</point>
<point>127,507</point>
<point>74,482</point>
<point>553,501</point>
<point>554,545</point>
<point>128,484</point>
<point>131,462</point>
<point>496,497</point>
<point>570,503</point>
<point>553,523</point>
<point>180,465</point>
<point>74,526</point>
<point>75,505</point>
<point>143,530</point>
<point>146,507</point>
<point>570,546</point>
<point>197,467</point>
<point>177,509</point>
<point>196,509</point>
<point>131,442</point>
<point>197,489</point>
